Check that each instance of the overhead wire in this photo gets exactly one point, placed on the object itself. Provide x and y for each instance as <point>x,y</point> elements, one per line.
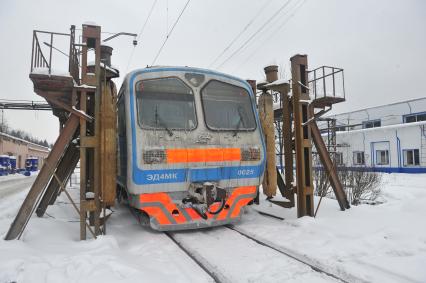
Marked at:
<point>240,33</point>
<point>293,13</point>
<point>140,33</point>
<point>255,33</point>
<point>171,31</point>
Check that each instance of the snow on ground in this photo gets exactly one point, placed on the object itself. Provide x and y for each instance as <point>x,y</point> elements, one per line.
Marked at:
<point>381,243</point>
<point>13,183</point>
<point>378,243</point>
<point>50,250</point>
<point>240,259</point>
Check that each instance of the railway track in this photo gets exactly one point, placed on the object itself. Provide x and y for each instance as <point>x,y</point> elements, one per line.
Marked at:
<point>251,244</point>
<point>222,274</point>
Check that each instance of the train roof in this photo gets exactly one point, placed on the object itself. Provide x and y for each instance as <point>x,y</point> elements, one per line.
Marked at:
<point>183,68</point>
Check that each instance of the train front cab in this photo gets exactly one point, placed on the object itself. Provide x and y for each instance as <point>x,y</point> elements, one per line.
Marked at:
<point>191,150</point>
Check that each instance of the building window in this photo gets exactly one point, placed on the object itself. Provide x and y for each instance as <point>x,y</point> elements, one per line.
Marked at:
<point>359,158</point>
<point>340,128</point>
<point>415,118</point>
<point>339,158</point>
<point>411,157</point>
<point>382,157</point>
<point>371,124</point>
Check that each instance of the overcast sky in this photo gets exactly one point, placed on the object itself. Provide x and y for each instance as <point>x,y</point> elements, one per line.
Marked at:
<point>380,44</point>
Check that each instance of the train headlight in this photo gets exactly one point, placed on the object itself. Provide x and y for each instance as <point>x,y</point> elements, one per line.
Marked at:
<point>154,156</point>
<point>195,79</point>
<point>250,154</point>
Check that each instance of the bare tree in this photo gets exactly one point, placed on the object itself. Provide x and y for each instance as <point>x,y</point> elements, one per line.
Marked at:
<point>321,182</point>
<point>4,125</point>
<point>364,184</point>
<point>360,184</point>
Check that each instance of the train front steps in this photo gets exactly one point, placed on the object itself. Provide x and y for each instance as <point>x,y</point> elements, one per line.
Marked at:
<point>60,162</point>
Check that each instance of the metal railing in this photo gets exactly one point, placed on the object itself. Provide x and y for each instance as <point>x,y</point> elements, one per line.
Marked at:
<point>74,64</point>
<point>38,59</point>
<point>318,82</point>
<point>24,105</point>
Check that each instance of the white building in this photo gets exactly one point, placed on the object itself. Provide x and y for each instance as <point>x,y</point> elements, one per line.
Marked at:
<point>387,138</point>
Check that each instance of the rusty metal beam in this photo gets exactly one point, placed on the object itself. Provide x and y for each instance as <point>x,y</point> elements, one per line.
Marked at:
<point>303,146</point>
<point>328,165</point>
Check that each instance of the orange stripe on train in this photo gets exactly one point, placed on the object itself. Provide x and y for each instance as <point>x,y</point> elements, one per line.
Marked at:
<point>236,193</point>
<point>167,202</point>
<point>187,155</point>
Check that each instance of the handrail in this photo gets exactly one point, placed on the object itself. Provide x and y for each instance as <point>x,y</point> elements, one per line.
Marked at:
<point>74,65</point>
<point>38,59</point>
<point>320,74</point>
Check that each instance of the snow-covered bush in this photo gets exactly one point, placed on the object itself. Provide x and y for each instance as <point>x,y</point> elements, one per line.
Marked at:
<point>360,185</point>
<point>363,185</point>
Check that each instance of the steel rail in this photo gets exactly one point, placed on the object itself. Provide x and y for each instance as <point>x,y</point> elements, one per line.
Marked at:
<point>218,278</point>
<point>293,256</point>
<point>209,269</point>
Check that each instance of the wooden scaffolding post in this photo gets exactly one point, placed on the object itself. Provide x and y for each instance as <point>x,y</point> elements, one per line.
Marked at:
<point>252,84</point>
<point>288,145</point>
<point>266,114</point>
<point>90,133</point>
<point>302,132</point>
<point>287,137</point>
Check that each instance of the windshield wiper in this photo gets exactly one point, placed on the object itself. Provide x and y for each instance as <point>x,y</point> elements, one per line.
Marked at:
<point>240,121</point>
<point>158,119</point>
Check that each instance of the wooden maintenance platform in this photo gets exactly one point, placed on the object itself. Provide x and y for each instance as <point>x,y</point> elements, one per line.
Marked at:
<point>84,100</point>
<point>295,123</point>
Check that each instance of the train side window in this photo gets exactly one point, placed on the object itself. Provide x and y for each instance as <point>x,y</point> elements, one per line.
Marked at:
<point>227,107</point>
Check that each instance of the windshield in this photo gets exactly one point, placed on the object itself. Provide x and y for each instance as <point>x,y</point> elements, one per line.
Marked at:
<point>227,107</point>
<point>165,104</point>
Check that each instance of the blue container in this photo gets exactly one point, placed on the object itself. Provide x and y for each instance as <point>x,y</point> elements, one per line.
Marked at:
<point>13,164</point>
<point>28,164</point>
<point>34,166</point>
<point>31,164</point>
<point>4,165</point>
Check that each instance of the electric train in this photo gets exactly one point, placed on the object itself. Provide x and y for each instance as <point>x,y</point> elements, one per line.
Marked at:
<point>191,152</point>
